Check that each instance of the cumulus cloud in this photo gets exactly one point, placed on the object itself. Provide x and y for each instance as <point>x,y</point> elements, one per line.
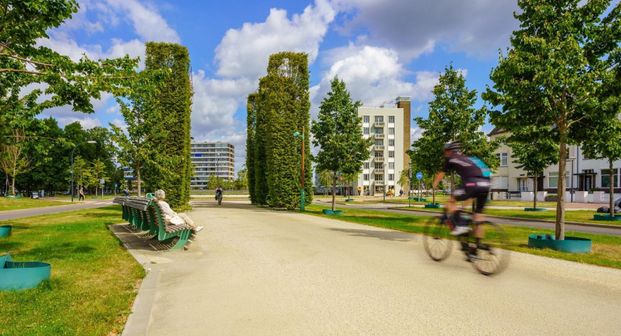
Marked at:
<point>373,75</point>
<point>147,22</point>
<point>244,52</point>
<point>477,27</point>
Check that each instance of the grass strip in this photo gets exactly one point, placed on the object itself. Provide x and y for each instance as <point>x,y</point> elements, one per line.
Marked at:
<point>7,204</point>
<point>606,248</point>
<point>94,279</point>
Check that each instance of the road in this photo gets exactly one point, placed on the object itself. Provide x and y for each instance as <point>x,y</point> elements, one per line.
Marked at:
<point>616,231</point>
<point>13,214</point>
<point>259,272</point>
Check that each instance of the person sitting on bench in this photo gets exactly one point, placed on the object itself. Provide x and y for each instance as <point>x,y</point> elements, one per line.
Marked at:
<point>172,217</point>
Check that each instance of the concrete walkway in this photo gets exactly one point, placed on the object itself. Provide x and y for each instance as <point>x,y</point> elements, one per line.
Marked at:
<point>259,272</point>
<point>13,214</point>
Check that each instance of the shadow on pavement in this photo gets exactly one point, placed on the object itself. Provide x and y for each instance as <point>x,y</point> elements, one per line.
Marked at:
<point>383,235</point>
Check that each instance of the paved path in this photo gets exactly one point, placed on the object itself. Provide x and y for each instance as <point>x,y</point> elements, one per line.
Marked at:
<point>259,272</point>
<point>13,214</point>
<point>609,230</point>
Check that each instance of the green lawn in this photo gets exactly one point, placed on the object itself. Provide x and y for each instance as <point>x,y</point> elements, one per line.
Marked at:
<point>94,279</point>
<point>606,249</point>
<point>25,203</point>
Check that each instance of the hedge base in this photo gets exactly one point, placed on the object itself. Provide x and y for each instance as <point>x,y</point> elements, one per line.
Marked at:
<point>5,230</point>
<point>332,212</point>
<point>417,199</point>
<point>22,275</point>
<point>535,209</point>
<point>569,244</point>
<point>606,217</point>
<point>432,205</point>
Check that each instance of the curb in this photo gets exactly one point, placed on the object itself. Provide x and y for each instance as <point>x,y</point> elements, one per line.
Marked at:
<point>604,226</point>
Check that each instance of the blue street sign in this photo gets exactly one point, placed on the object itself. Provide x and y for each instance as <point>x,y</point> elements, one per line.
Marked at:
<point>419,176</point>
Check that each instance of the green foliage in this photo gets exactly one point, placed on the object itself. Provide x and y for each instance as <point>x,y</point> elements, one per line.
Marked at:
<point>343,148</point>
<point>241,182</point>
<point>550,77</point>
<point>169,116</point>
<point>280,108</point>
<point>251,140</point>
<point>213,182</point>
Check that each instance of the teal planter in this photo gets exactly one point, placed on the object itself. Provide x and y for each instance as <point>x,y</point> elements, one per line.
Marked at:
<point>606,217</point>
<point>534,209</point>
<point>432,205</point>
<point>5,230</point>
<point>331,212</point>
<point>22,275</point>
<point>569,244</point>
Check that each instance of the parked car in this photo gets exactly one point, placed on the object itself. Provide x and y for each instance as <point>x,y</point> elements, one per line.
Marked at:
<point>617,205</point>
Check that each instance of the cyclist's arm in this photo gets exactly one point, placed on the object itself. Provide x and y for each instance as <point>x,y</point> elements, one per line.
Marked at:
<point>438,178</point>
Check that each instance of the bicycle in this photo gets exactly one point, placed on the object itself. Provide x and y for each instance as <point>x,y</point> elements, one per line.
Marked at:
<point>219,198</point>
<point>488,257</point>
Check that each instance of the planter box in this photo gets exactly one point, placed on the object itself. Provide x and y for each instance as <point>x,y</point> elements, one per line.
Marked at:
<point>581,196</point>
<point>527,196</point>
<point>541,196</point>
<point>331,212</point>
<point>22,275</point>
<point>606,217</point>
<point>5,230</point>
<point>534,209</point>
<point>569,244</point>
<point>432,205</point>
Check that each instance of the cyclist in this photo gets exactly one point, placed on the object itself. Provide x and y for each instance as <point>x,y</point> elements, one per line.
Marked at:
<point>475,176</point>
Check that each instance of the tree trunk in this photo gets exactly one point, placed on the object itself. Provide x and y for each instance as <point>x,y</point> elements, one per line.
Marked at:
<point>13,180</point>
<point>612,190</point>
<point>138,180</point>
<point>433,195</point>
<point>560,202</point>
<point>535,198</point>
<point>333,190</point>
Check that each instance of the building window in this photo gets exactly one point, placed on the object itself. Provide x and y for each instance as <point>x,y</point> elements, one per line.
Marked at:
<point>379,165</point>
<point>379,177</point>
<point>391,177</point>
<point>379,154</point>
<point>606,178</point>
<point>379,142</point>
<point>503,158</point>
<point>391,154</point>
<point>391,142</point>
<point>366,177</point>
<point>366,119</point>
<point>379,130</point>
<point>391,131</point>
<point>379,118</point>
<point>391,165</point>
<point>391,119</point>
<point>366,131</point>
<point>366,165</point>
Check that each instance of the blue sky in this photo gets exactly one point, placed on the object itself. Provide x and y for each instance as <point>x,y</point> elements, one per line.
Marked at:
<point>381,48</point>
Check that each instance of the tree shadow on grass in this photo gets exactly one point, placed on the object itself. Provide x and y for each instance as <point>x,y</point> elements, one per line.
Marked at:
<point>8,246</point>
<point>383,235</point>
<point>61,251</point>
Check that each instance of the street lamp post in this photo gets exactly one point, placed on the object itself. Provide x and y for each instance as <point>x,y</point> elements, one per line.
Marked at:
<point>72,151</point>
<point>297,134</point>
<point>384,173</point>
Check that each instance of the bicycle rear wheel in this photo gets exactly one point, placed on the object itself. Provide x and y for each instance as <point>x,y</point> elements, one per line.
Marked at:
<point>492,255</point>
<point>437,239</point>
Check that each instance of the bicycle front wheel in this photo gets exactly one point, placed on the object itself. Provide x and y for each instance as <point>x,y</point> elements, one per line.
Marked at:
<point>437,239</point>
<point>492,255</point>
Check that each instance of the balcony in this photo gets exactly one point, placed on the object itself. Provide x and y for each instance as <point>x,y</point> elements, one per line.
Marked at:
<point>378,124</point>
<point>379,147</point>
<point>379,136</point>
<point>379,159</point>
<point>379,183</point>
<point>378,171</point>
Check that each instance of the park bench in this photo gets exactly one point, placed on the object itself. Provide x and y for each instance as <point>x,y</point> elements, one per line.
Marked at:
<point>145,214</point>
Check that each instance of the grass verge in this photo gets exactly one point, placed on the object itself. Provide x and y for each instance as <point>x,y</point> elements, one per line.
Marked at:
<point>94,279</point>
<point>25,203</point>
<point>606,249</point>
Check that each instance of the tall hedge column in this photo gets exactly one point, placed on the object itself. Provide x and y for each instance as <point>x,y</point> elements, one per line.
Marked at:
<point>250,145</point>
<point>172,106</point>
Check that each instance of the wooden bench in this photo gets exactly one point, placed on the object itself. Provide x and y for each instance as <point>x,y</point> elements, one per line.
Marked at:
<point>166,231</point>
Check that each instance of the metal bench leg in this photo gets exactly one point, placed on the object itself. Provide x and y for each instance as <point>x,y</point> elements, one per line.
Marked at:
<point>183,239</point>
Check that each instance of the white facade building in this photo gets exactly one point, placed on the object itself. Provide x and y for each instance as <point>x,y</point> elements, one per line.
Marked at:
<point>389,127</point>
<point>212,159</point>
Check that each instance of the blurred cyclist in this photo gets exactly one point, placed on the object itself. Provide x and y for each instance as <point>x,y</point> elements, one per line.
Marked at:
<point>475,176</point>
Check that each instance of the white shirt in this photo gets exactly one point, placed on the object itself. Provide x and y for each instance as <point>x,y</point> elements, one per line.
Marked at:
<point>169,215</point>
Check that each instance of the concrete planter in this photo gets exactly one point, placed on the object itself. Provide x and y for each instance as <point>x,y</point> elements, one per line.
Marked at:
<point>541,196</point>
<point>432,205</point>
<point>5,230</point>
<point>581,196</point>
<point>527,196</point>
<point>332,212</point>
<point>569,244</point>
<point>534,209</point>
<point>599,197</point>
<point>22,275</point>
<point>606,217</point>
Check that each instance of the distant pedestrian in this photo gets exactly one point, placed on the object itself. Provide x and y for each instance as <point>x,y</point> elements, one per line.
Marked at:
<point>80,194</point>
<point>401,192</point>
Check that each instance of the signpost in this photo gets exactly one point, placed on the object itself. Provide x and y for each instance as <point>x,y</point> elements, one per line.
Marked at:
<point>419,177</point>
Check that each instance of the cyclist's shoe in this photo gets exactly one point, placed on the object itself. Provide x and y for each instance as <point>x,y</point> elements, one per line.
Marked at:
<point>460,230</point>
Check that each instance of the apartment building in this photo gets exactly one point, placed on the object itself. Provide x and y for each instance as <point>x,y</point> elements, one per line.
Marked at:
<point>389,127</point>
<point>583,175</point>
<point>212,159</point>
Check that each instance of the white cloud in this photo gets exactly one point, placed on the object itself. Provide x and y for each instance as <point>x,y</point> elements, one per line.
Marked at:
<point>147,22</point>
<point>373,75</point>
<point>478,27</point>
<point>244,52</point>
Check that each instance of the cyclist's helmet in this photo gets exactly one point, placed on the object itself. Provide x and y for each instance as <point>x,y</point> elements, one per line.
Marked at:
<point>452,146</point>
